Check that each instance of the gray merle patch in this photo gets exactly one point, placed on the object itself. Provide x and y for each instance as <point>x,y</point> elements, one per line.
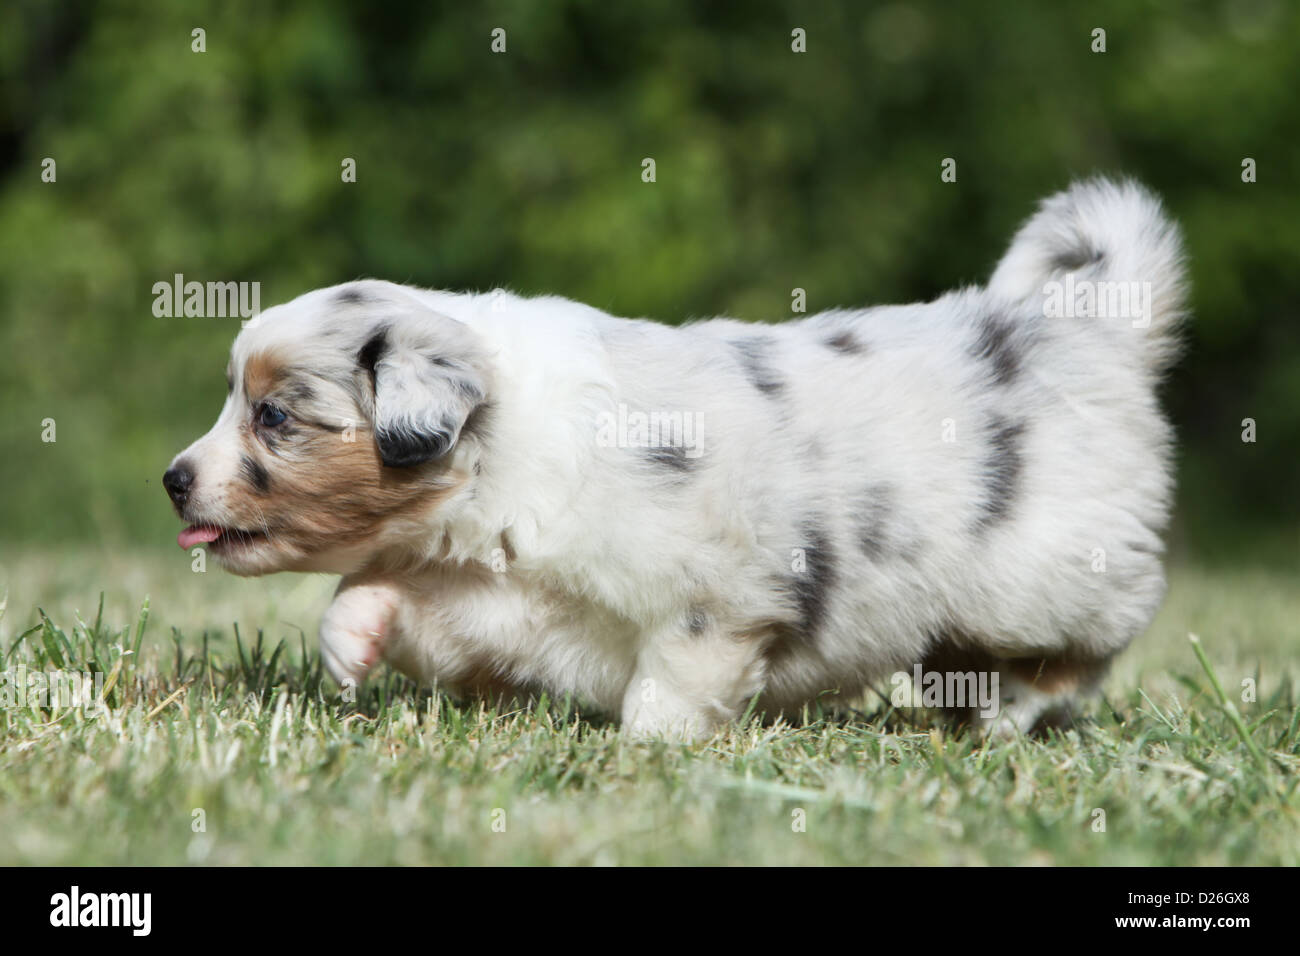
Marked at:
<point>753,355</point>
<point>812,587</point>
<point>1072,260</point>
<point>995,344</point>
<point>672,457</point>
<point>1003,469</point>
<point>351,296</point>
<point>846,343</point>
<point>874,510</point>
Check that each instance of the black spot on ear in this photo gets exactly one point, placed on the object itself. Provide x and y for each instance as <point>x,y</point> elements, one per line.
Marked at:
<point>1003,470</point>
<point>995,344</point>
<point>350,296</point>
<point>370,354</point>
<point>846,343</point>
<point>255,474</point>
<point>812,586</point>
<point>403,449</point>
<point>753,357</point>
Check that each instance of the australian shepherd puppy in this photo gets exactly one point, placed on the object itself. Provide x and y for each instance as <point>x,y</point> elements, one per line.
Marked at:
<point>670,523</point>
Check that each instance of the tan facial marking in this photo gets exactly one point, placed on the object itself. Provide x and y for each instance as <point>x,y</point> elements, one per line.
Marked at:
<point>326,488</point>
<point>262,372</point>
<point>347,488</point>
<point>326,492</point>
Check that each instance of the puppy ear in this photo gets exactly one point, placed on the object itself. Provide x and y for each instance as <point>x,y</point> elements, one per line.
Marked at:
<point>427,380</point>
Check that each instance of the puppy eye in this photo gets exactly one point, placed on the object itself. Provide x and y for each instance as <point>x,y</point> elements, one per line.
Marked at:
<point>268,415</point>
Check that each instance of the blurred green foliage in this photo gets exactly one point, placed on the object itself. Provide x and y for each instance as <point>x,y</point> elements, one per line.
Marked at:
<point>523,169</point>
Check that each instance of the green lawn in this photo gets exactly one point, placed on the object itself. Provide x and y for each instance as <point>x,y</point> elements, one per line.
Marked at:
<point>246,731</point>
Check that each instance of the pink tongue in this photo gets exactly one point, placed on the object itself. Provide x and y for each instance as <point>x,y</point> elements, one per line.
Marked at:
<point>197,534</point>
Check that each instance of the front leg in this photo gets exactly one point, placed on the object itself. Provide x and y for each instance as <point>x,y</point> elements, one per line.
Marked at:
<point>356,628</point>
<point>691,681</point>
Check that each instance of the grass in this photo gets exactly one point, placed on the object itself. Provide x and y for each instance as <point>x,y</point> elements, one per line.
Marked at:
<point>237,731</point>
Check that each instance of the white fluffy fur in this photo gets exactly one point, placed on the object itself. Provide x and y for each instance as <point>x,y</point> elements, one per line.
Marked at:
<point>871,484</point>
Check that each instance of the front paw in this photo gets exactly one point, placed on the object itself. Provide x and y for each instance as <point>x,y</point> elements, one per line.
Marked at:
<point>355,630</point>
<point>652,711</point>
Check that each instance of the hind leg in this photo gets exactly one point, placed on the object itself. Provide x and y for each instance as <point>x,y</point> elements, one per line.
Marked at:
<point>1032,692</point>
<point>1041,692</point>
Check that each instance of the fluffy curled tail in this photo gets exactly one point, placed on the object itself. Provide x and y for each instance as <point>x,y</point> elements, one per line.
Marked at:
<point>1108,250</point>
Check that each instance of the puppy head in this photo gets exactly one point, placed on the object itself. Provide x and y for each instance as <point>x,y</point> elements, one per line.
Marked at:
<point>344,430</point>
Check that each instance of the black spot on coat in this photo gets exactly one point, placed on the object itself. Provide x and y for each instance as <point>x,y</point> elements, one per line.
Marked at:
<point>847,343</point>
<point>1072,260</point>
<point>350,296</point>
<point>873,519</point>
<point>672,457</point>
<point>753,356</point>
<point>696,621</point>
<point>996,345</point>
<point>1003,470</point>
<point>812,587</point>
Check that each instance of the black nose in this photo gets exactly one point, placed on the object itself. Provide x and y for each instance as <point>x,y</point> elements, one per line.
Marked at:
<point>177,480</point>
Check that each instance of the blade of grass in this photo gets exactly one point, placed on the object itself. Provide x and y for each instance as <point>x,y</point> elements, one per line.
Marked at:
<point>168,699</point>
<point>1228,707</point>
<point>139,627</point>
<point>20,638</point>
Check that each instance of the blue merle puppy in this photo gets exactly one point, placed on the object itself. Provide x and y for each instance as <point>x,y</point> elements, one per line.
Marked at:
<point>669,522</point>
